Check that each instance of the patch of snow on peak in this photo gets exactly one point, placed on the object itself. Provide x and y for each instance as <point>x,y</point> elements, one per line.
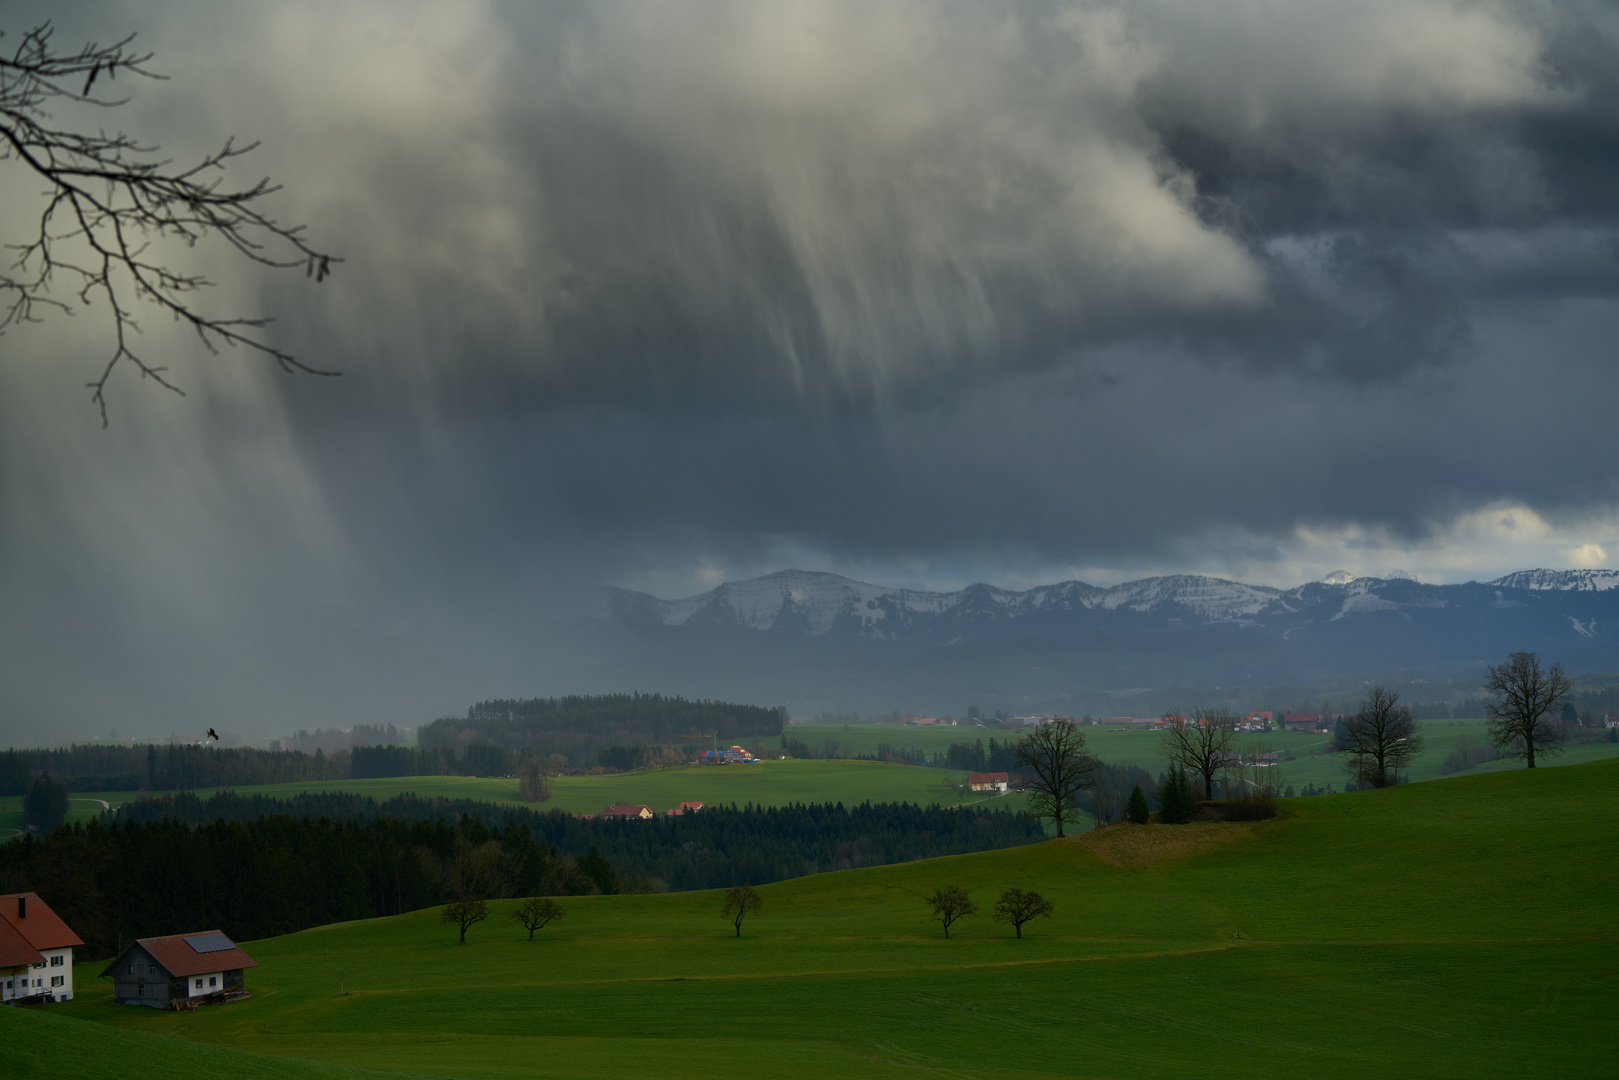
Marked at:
<point>1400,575</point>
<point>1210,598</point>
<point>1560,580</point>
<point>1338,577</point>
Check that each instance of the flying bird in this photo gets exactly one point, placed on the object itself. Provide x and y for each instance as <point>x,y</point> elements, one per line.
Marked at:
<point>212,734</point>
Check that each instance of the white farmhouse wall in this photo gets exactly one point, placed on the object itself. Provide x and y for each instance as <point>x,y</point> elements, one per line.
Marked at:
<point>203,985</point>
<point>58,965</point>
<point>41,978</point>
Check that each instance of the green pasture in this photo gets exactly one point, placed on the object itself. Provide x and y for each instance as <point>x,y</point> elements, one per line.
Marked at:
<point>1312,763</point>
<point>1461,928</point>
<point>774,782</point>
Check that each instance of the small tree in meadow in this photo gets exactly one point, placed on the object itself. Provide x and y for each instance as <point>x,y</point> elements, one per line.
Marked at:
<point>740,902</point>
<point>1176,804</point>
<point>949,904</point>
<point>464,913</point>
<point>1136,809</point>
<point>535,912</point>
<point>1018,906</point>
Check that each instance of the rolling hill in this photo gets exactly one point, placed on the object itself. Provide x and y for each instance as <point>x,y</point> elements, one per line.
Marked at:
<point>1460,928</point>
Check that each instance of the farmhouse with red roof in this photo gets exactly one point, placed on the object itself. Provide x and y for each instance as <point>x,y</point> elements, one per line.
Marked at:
<point>179,971</point>
<point>36,950</point>
<point>988,781</point>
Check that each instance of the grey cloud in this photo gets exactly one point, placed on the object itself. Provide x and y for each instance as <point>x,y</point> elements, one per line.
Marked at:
<point>974,290</point>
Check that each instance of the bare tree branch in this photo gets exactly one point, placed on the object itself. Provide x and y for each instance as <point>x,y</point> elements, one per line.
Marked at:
<point>107,202</point>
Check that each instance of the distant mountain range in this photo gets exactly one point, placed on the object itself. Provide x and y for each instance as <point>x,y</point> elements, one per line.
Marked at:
<point>806,636</point>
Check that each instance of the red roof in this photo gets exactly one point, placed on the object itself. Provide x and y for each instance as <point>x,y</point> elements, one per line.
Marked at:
<point>43,929</point>
<point>987,778</point>
<point>634,810</point>
<point>15,950</point>
<point>182,961</point>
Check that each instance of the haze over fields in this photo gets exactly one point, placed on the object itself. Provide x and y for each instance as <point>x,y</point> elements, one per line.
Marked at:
<point>656,297</point>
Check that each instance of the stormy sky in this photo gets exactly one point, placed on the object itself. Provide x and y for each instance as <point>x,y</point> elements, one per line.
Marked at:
<point>661,294</point>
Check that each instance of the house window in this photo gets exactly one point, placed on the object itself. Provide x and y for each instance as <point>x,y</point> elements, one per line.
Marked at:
<point>213,980</point>
<point>58,980</point>
<point>56,961</point>
<point>199,984</point>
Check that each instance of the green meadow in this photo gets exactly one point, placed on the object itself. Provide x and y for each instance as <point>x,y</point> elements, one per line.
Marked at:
<point>1460,928</point>
<point>774,783</point>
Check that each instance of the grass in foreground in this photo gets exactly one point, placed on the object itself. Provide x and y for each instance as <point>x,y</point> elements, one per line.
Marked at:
<point>1456,929</point>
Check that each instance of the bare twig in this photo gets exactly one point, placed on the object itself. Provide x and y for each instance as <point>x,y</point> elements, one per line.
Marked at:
<point>106,196</point>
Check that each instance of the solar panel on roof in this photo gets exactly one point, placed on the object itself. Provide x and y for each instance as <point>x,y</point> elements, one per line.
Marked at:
<point>205,943</point>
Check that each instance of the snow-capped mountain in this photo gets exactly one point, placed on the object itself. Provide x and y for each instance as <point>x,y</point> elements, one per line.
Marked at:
<point>799,636</point>
<point>806,604</point>
<point>816,604</point>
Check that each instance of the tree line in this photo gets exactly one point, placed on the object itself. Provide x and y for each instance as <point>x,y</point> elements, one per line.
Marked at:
<point>154,766</point>
<point>257,866</point>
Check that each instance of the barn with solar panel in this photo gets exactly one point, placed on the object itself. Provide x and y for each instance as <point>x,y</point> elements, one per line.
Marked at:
<point>180,971</point>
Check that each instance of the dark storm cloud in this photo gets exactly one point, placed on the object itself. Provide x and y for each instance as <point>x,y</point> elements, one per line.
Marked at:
<point>962,290</point>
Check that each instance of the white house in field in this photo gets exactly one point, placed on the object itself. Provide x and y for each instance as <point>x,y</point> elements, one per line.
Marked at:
<point>36,950</point>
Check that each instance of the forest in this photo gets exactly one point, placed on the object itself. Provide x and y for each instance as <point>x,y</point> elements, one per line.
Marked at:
<point>254,866</point>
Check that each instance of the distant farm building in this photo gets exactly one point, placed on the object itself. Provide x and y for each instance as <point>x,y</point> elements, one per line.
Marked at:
<point>1028,721</point>
<point>180,971</point>
<point>1304,721</point>
<point>988,781</point>
<point>36,951</point>
<point>684,808</point>
<point>1610,719</point>
<point>629,810</point>
<point>734,755</point>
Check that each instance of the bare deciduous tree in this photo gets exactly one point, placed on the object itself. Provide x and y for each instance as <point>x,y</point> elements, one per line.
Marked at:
<point>535,912</point>
<point>740,902</point>
<point>1380,740</point>
<point>106,200</point>
<point>1055,754</point>
<point>1522,720</point>
<point>949,904</point>
<point>1201,743</point>
<point>1018,906</point>
<point>464,913</point>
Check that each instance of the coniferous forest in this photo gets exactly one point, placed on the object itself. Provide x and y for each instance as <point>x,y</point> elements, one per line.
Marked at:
<point>255,866</point>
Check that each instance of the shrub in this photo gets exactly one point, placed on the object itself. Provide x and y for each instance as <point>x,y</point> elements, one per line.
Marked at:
<point>1136,809</point>
<point>1176,804</point>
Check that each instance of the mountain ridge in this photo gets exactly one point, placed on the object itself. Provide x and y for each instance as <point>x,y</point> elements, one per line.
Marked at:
<point>817,603</point>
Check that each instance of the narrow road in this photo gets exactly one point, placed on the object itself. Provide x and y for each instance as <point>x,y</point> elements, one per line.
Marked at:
<point>105,805</point>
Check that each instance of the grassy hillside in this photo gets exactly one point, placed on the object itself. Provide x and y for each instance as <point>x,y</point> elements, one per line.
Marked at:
<point>1462,928</point>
